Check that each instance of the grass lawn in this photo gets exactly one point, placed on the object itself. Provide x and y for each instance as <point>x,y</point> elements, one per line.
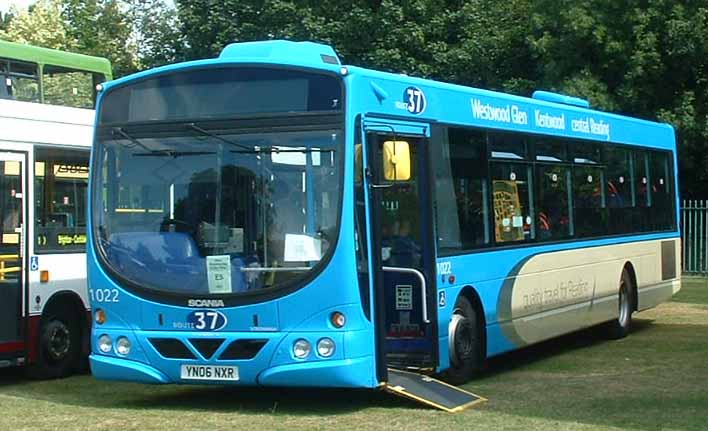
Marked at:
<point>657,378</point>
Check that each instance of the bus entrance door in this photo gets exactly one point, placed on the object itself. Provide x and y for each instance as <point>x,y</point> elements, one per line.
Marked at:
<point>11,274</point>
<point>403,253</point>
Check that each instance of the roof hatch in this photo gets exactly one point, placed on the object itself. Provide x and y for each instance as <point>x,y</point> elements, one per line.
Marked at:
<point>560,98</point>
<point>282,51</point>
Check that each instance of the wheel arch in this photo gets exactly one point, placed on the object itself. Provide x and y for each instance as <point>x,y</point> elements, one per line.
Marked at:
<point>470,293</point>
<point>67,300</point>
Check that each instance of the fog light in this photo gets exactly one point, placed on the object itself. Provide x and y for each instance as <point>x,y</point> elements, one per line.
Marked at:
<point>123,346</point>
<point>338,320</point>
<point>301,349</point>
<point>325,347</point>
<point>100,316</point>
<point>105,343</point>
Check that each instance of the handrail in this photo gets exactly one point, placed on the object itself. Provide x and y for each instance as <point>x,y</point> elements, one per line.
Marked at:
<point>423,285</point>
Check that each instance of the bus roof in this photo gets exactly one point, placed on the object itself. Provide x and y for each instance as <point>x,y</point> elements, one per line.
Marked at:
<point>46,56</point>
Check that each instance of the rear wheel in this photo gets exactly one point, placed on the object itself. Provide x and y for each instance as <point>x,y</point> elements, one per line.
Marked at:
<point>59,347</point>
<point>620,327</point>
<point>465,343</point>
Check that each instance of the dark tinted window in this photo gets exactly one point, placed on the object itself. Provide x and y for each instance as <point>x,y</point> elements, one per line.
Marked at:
<point>662,214</point>
<point>507,145</point>
<point>619,189</point>
<point>462,191</point>
<point>222,93</point>
<point>589,201</point>
<point>553,202</point>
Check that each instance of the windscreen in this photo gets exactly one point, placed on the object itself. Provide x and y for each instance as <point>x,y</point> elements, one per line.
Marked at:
<point>216,214</point>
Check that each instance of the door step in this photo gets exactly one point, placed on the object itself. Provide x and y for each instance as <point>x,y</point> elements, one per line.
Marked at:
<point>430,391</point>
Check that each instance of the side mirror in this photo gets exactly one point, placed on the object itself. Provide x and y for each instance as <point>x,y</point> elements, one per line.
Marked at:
<point>396,161</point>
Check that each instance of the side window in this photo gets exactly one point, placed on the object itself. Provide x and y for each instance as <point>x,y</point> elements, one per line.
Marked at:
<point>618,189</point>
<point>553,219</point>
<point>68,87</point>
<point>19,81</point>
<point>60,192</point>
<point>589,201</point>
<point>511,194</point>
<point>641,188</point>
<point>462,192</point>
<point>662,213</point>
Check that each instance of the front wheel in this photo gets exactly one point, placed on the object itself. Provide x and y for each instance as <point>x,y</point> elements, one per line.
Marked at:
<point>59,347</point>
<point>620,327</point>
<point>465,343</point>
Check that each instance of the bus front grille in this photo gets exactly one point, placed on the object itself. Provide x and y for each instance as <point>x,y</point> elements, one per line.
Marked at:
<point>171,348</point>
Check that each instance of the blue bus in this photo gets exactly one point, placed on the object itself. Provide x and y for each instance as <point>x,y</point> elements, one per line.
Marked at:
<point>272,217</point>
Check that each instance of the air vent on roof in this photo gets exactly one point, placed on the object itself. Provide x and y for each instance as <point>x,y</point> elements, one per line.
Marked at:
<point>282,51</point>
<point>560,98</point>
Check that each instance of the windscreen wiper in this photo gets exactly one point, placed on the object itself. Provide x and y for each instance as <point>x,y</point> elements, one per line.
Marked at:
<point>121,132</point>
<point>215,136</point>
<point>175,154</point>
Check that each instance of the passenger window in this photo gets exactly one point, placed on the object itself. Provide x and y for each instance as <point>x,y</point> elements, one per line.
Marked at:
<point>589,201</point>
<point>19,81</point>
<point>68,87</point>
<point>513,217</point>
<point>553,202</point>
<point>462,191</point>
<point>662,213</point>
<point>618,189</point>
<point>61,191</point>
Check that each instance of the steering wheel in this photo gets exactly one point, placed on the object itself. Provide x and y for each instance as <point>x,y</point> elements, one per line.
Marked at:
<point>179,226</point>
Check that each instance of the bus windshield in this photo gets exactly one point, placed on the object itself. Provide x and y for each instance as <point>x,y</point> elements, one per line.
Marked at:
<point>209,214</point>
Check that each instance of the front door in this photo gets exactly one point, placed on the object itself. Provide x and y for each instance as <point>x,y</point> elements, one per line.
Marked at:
<point>11,217</point>
<point>403,256</point>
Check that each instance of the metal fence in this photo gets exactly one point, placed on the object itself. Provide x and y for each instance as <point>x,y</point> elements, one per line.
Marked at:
<point>694,236</point>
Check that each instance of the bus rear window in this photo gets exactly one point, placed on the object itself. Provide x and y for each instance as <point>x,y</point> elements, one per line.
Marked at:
<point>61,187</point>
<point>221,93</point>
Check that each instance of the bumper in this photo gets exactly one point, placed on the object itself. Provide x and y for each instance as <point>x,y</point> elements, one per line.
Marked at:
<point>345,373</point>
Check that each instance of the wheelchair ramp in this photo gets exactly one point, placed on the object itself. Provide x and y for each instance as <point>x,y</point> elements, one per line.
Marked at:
<point>430,391</point>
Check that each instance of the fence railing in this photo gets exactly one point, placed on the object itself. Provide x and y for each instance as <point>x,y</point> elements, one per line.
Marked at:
<point>694,236</point>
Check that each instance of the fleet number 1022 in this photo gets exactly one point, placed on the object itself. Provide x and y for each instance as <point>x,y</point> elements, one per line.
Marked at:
<point>104,295</point>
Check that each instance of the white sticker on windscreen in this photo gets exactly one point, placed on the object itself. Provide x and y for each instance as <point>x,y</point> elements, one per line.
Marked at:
<point>219,274</point>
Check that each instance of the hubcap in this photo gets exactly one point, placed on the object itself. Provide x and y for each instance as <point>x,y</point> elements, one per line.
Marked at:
<point>59,342</point>
<point>461,339</point>
<point>624,306</point>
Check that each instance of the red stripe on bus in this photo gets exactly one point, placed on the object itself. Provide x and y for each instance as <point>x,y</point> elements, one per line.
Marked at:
<point>33,339</point>
<point>14,346</point>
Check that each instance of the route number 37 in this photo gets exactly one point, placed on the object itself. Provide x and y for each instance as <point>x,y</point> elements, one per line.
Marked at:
<point>415,99</point>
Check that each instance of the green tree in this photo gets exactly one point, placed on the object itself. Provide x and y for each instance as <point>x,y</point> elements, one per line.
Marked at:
<point>479,42</point>
<point>156,32</point>
<point>646,58</point>
<point>40,25</point>
<point>103,28</point>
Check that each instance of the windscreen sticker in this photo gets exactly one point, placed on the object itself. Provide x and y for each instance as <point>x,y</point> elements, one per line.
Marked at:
<point>34,263</point>
<point>219,274</point>
<point>302,248</point>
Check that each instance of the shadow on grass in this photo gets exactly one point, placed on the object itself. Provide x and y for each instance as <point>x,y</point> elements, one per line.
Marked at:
<point>572,342</point>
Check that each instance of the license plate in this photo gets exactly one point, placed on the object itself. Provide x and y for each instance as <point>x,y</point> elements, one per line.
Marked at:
<point>208,372</point>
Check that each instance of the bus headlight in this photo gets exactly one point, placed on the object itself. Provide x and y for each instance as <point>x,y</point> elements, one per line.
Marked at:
<point>325,347</point>
<point>301,348</point>
<point>123,346</point>
<point>105,344</point>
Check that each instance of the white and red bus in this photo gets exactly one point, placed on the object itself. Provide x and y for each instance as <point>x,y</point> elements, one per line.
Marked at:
<point>46,128</point>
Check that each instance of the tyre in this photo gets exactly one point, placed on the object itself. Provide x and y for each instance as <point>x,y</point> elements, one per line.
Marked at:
<point>465,343</point>
<point>620,327</point>
<point>59,347</point>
